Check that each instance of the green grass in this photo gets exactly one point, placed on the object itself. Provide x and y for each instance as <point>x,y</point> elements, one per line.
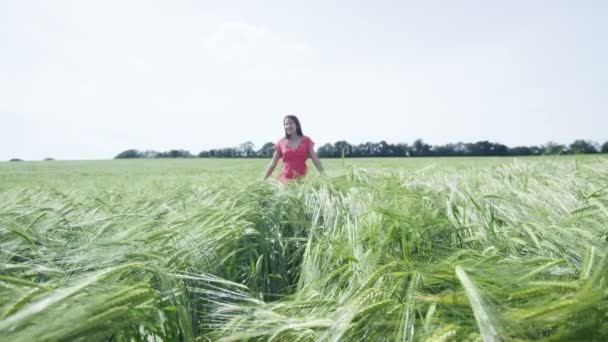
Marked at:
<point>115,173</point>
<point>381,249</point>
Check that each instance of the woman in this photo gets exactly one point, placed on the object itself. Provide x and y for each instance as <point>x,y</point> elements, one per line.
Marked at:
<point>293,149</point>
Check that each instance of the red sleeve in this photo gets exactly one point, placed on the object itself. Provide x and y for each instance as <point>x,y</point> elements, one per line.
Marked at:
<point>311,144</point>
<point>277,148</point>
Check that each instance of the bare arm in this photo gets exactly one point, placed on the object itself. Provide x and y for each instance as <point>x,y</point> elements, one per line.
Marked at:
<point>272,165</point>
<point>315,159</point>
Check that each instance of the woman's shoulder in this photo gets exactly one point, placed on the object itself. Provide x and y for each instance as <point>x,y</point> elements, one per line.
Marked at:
<point>308,139</point>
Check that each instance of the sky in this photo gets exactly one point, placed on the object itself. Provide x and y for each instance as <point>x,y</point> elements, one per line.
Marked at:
<point>89,79</point>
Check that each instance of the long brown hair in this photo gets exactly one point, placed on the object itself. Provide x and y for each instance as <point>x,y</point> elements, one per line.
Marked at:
<point>297,122</point>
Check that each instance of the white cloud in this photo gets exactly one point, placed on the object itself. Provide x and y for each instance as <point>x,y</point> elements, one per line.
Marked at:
<point>244,44</point>
<point>88,88</point>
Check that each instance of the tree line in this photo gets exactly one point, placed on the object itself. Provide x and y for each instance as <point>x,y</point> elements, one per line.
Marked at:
<point>418,148</point>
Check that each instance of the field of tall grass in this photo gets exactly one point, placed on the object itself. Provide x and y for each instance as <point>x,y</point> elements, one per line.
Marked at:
<point>449,249</point>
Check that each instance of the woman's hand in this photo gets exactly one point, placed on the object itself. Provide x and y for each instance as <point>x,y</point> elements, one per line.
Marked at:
<point>315,160</point>
<point>271,165</point>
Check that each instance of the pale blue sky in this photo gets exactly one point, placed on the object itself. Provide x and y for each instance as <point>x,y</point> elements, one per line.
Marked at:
<point>88,79</point>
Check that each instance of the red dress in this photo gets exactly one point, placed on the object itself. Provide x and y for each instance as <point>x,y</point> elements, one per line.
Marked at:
<point>294,159</point>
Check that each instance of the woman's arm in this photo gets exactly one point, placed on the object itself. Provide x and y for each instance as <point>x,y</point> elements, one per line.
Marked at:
<point>272,165</point>
<point>315,159</point>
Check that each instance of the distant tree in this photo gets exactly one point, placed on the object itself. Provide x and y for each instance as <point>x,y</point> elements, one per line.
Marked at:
<point>536,150</point>
<point>520,151</point>
<point>267,150</point>
<point>355,152</point>
<point>247,150</point>
<point>554,148</point>
<point>365,149</point>
<point>420,148</point>
<point>327,151</point>
<point>128,154</point>
<point>228,152</point>
<point>376,149</point>
<point>401,150</point>
<point>486,148</point>
<point>460,148</point>
<point>386,149</point>
<point>343,147</point>
<point>480,148</point>
<point>16,160</point>
<point>383,149</point>
<point>444,150</point>
<point>48,159</point>
<point>179,154</point>
<point>500,150</point>
<point>582,146</point>
<point>149,154</point>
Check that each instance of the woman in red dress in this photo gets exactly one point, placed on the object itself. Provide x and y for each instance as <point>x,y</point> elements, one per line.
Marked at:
<point>294,149</point>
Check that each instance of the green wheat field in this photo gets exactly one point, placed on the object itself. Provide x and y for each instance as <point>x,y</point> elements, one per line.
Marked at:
<point>412,249</point>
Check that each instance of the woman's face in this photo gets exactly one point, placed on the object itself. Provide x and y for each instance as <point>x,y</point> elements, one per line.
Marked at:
<point>290,127</point>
